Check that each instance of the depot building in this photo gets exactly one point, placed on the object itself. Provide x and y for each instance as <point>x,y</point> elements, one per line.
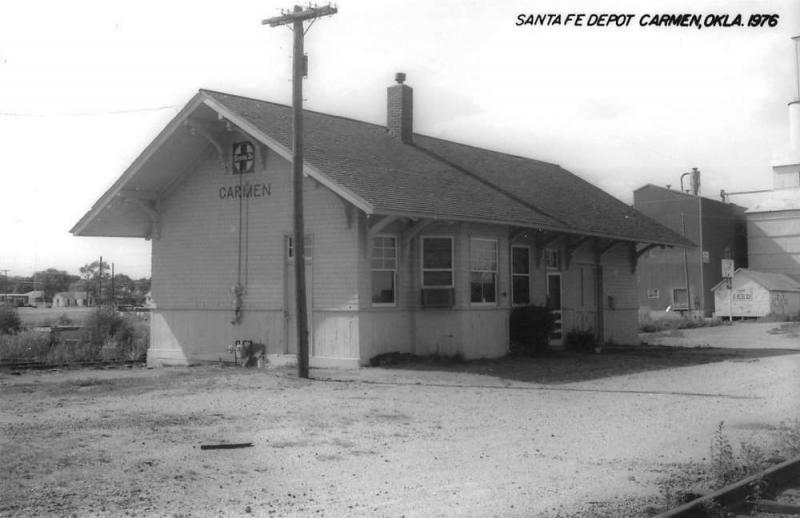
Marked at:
<point>413,244</point>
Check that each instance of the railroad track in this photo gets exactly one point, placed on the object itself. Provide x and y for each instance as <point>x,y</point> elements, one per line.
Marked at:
<point>18,365</point>
<point>774,491</point>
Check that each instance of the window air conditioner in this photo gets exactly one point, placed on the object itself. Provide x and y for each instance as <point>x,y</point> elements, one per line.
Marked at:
<point>438,297</point>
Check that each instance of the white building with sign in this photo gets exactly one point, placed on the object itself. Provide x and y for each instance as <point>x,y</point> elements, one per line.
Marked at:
<point>756,294</point>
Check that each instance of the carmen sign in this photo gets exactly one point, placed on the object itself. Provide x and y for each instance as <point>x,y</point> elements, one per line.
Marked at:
<point>247,190</point>
<point>244,157</point>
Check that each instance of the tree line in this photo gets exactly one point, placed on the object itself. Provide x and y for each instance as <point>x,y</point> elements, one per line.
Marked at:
<point>94,279</point>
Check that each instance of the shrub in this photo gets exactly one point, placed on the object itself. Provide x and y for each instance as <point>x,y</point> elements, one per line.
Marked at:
<point>24,345</point>
<point>789,434</point>
<point>580,341</point>
<point>71,351</point>
<point>9,320</point>
<point>530,328</point>
<point>111,336</point>
<point>668,324</point>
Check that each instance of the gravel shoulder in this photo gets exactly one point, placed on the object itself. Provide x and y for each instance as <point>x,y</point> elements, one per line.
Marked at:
<point>421,440</point>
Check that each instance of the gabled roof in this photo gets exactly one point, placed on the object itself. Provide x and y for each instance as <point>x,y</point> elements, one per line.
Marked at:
<point>380,174</point>
<point>770,281</point>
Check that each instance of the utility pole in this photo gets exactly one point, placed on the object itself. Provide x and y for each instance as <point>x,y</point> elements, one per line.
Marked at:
<point>295,19</point>
<point>686,269</point>
<point>112,286</point>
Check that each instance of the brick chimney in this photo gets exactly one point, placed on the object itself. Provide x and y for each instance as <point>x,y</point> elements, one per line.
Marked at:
<point>400,109</point>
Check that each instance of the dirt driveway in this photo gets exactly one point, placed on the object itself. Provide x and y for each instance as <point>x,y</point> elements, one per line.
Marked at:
<point>741,335</point>
<point>507,438</point>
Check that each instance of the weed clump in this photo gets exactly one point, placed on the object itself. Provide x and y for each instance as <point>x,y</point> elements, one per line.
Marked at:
<point>111,336</point>
<point>727,466</point>
<point>25,344</point>
<point>9,320</point>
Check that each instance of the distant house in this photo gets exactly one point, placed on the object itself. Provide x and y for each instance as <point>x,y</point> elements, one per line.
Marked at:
<point>682,279</point>
<point>413,243</point>
<point>65,299</point>
<point>33,298</point>
<point>757,294</point>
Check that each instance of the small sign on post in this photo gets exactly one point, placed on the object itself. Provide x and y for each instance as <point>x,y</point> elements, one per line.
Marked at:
<point>727,268</point>
<point>727,274</point>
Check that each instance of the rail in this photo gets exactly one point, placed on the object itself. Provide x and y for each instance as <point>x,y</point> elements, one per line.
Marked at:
<point>765,491</point>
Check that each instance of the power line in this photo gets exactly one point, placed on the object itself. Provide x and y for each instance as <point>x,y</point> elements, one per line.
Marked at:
<point>88,114</point>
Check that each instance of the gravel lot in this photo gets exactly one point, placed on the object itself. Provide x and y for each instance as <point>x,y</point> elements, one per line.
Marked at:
<point>487,439</point>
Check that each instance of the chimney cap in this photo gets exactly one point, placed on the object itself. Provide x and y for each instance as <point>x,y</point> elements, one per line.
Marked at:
<point>400,77</point>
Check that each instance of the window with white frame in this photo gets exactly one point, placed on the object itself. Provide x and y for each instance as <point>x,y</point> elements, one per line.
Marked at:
<point>552,259</point>
<point>520,275</point>
<point>437,262</point>
<point>483,270</point>
<point>384,269</point>
<point>308,248</point>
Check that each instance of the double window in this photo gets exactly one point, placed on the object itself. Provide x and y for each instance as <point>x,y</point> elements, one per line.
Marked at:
<point>483,270</point>
<point>384,270</point>
<point>437,262</point>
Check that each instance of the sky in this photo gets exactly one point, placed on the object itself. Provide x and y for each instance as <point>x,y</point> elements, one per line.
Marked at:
<point>86,85</point>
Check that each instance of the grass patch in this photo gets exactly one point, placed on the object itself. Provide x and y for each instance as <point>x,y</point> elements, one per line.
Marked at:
<point>105,335</point>
<point>655,326</point>
<point>46,316</point>
<point>31,345</point>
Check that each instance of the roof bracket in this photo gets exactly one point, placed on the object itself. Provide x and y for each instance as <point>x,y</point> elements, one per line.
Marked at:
<point>569,250</point>
<point>634,254</point>
<point>149,208</point>
<point>380,225</point>
<point>201,129</point>
<point>415,229</point>
<point>600,249</point>
<point>349,213</point>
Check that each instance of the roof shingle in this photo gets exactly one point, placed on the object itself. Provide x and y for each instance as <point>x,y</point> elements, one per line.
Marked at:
<point>446,179</point>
